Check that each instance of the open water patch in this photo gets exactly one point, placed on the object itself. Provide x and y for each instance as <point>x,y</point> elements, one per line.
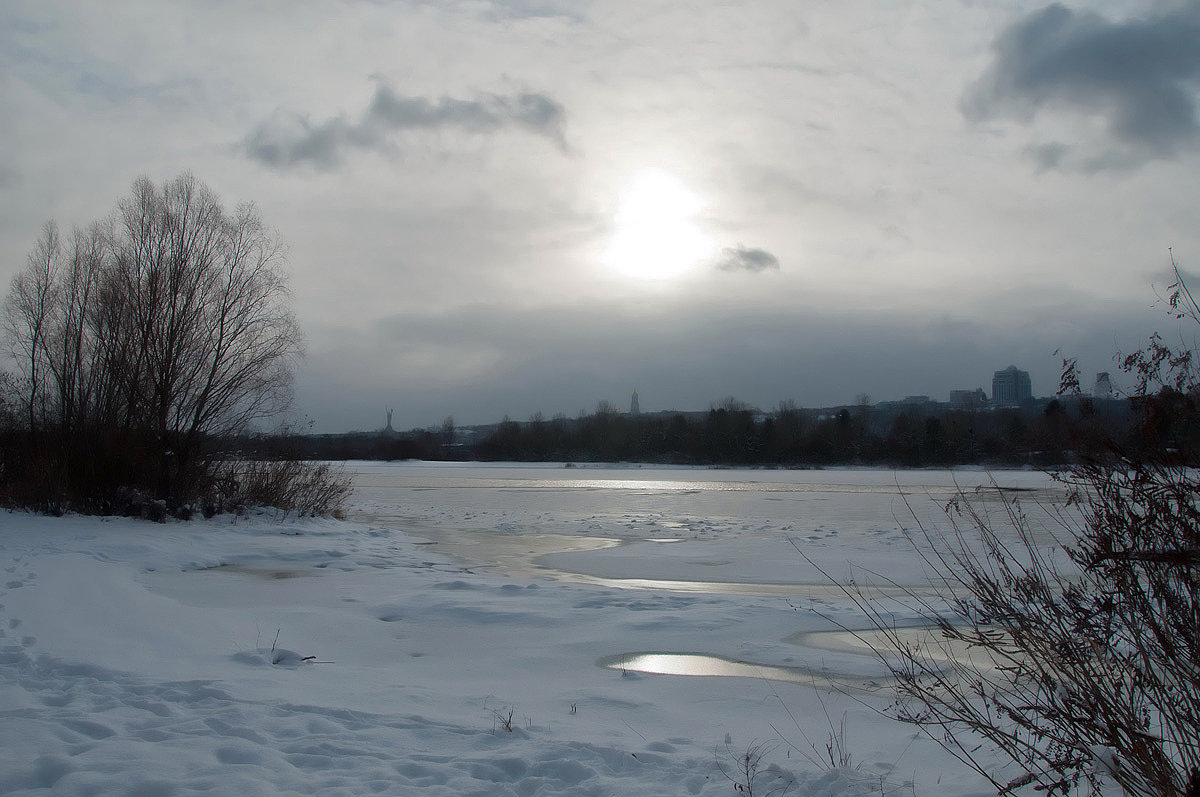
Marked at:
<point>707,665</point>
<point>924,643</point>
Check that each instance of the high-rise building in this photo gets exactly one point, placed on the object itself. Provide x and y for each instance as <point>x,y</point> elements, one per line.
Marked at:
<point>634,407</point>
<point>968,399</point>
<point>1103,387</point>
<point>1011,387</point>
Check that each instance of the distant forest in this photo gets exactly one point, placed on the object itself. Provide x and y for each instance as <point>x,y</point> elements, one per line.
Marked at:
<point>1041,433</point>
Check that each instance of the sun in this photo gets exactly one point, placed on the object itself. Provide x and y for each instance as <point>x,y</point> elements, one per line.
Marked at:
<point>656,230</point>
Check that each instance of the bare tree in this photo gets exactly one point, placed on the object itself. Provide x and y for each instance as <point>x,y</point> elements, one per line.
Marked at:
<point>27,311</point>
<point>166,325</point>
<point>209,309</point>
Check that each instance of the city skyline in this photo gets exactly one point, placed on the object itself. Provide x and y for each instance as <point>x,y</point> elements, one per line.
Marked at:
<point>1098,385</point>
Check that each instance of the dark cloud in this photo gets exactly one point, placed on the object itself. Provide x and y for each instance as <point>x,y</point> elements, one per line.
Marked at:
<point>1140,75</point>
<point>290,139</point>
<point>740,258</point>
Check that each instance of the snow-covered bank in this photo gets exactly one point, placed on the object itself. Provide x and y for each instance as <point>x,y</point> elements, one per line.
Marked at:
<point>175,659</point>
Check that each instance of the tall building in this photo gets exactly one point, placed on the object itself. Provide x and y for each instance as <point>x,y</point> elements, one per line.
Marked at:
<point>1103,387</point>
<point>968,399</point>
<point>634,407</point>
<point>1011,387</point>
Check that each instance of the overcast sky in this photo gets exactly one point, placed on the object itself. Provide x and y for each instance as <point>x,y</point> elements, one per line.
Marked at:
<point>508,207</point>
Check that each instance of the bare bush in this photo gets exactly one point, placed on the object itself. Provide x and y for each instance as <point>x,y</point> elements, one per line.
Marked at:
<point>750,775</point>
<point>296,487</point>
<point>1076,657</point>
<point>504,718</point>
<point>1061,666</point>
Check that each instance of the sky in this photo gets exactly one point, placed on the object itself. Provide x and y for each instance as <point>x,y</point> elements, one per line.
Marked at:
<point>500,208</point>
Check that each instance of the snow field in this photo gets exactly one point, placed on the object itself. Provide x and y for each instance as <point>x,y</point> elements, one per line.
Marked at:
<point>267,657</point>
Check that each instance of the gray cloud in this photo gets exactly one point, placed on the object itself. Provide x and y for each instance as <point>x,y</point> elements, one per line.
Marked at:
<point>29,54</point>
<point>741,258</point>
<point>1049,155</point>
<point>289,139</point>
<point>1141,75</point>
<point>506,10</point>
<point>117,88</point>
<point>515,9</point>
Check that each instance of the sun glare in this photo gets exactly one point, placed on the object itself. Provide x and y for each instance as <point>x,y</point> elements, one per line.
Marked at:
<point>656,234</point>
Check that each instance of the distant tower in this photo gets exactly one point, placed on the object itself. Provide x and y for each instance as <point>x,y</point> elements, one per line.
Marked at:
<point>634,407</point>
<point>1103,387</point>
<point>388,431</point>
<point>1011,387</point>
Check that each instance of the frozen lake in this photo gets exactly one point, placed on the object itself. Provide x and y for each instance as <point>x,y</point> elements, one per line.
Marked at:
<point>640,628</point>
<point>684,529</point>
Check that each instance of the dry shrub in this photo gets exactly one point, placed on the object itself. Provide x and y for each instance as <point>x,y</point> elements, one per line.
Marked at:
<point>1076,668</point>
<point>296,487</point>
<point>1075,656</point>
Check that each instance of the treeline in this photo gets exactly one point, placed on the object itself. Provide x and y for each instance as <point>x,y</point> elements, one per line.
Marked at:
<point>415,444</point>
<point>732,434</point>
<point>1042,434</point>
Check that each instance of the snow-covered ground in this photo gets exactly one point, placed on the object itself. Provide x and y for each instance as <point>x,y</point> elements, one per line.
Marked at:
<point>393,652</point>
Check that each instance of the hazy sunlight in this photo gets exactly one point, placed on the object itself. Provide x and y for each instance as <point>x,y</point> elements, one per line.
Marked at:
<point>655,232</point>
